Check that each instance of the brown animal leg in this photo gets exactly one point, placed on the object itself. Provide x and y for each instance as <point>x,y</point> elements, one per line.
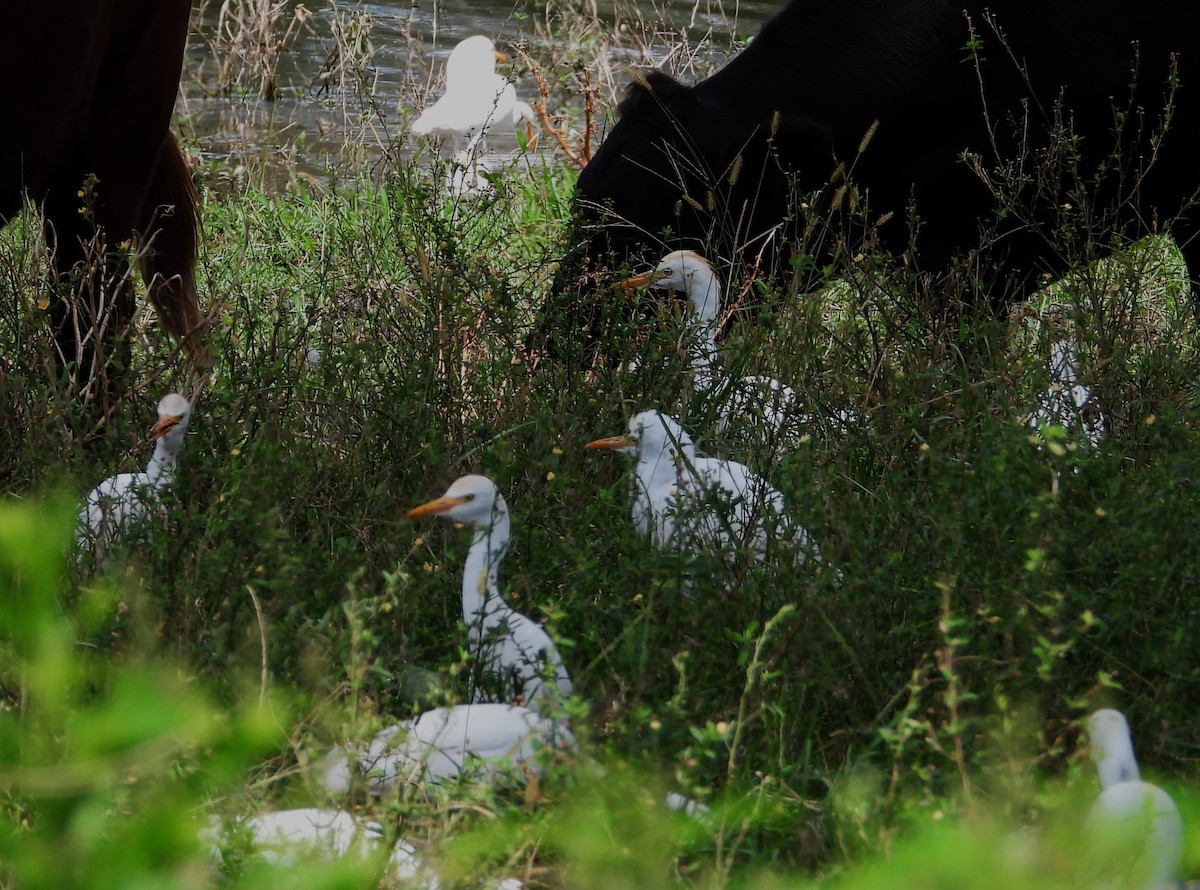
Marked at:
<point>169,234</point>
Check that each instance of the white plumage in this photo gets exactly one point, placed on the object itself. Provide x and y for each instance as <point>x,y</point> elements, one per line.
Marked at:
<point>514,654</point>
<point>1135,823</point>
<point>477,740</point>
<point>1067,402</point>
<point>517,656</point>
<point>476,97</point>
<point>286,837</point>
<point>118,504</point>
<point>686,502</point>
<point>765,410</point>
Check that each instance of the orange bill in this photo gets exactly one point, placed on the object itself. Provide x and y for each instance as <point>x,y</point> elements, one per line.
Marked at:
<point>164,426</point>
<point>612,443</point>
<point>434,507</point>
<point>646,278</point>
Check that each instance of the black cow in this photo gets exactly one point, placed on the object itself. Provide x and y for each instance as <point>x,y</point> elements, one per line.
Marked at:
<point>1086,109</point>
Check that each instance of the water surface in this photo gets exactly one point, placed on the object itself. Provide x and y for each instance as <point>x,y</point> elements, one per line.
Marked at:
<point>344,75</point>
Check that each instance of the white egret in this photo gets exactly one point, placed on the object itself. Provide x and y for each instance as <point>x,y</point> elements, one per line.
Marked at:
<point>681,803</point>
<point>684,501</point>
<point>1131,817</point>
<point>479,740</point>
<point>1067,402</point>
<point>115,506</point>
<point>285,837</point>
<point>514,654</point>
<point>767,410</point>
<point>476,97</point>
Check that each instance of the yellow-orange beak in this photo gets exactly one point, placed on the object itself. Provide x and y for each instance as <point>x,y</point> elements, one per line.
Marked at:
<point>434,507</point>
<point>500,57</point>
<point>164,426</point>
<point>646,278</point>
<point>612,443</point>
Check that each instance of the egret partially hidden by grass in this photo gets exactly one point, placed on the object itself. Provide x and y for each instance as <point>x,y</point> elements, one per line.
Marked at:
<point>1067,402</point>
<point>763,410</point>
<point>516,658</point>
<point>683,501</point>
<point>473,741</point>
<point>284,838</point>
<point>116,506</point>
<point>1137,829</point>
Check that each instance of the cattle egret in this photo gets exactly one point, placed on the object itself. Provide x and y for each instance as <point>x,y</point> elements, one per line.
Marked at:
<point>1131,816</point>
<point>767,409</point>
<point>681,803</point>
<point>1068,403</point>
<point>513,652</point>
<point>285,837</point>
<point>476,97</point>
<point>479,740</point>
<point>115,506</point>
<point>483,738</point>
<point>684,501</point>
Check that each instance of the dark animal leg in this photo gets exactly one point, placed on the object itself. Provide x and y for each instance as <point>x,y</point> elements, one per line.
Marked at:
<point>170,229</point>
<point>93,307</point>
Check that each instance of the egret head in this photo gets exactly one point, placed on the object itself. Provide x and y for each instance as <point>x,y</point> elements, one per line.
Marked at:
<point>650,432</point>
<point>471,61</point>
<point>473,500</point>
<point>174,411</point>
<point>687,273</point>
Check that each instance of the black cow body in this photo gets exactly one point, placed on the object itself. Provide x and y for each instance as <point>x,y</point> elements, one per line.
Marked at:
<point>1045,95</point>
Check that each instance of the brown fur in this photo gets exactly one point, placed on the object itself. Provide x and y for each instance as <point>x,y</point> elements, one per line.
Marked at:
<point>88,140</point>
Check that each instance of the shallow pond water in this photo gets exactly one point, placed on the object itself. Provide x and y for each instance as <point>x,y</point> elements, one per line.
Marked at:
<point>282,92</point>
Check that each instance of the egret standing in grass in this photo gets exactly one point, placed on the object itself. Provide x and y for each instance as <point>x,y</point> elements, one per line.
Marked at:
<point>684,501</point>
<point>118,504</point>
<point>766,409</point>
<point>1068,402</point>
<point>1137,823</point>
<point>514,652</point>
<point>515,657</point>
<point>476,97</point>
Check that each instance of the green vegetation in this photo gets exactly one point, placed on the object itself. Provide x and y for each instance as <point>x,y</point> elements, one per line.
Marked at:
<point>913,724</point>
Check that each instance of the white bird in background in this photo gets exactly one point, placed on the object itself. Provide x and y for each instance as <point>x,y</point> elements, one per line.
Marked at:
<point>766,409</point>
<point>683,501</point>
<point>283,838</point>
<point>514,654</point>
<point>1068,403</point>
<point>476,97</point>
<point>479,740</point>
<point>1131,816</point>
<point>115,506</point>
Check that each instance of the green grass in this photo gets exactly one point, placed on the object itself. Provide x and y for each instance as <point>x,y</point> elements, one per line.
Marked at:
<point>897,726</point>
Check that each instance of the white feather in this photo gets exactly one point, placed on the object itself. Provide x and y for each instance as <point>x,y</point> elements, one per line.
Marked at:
<point>118,505</point>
